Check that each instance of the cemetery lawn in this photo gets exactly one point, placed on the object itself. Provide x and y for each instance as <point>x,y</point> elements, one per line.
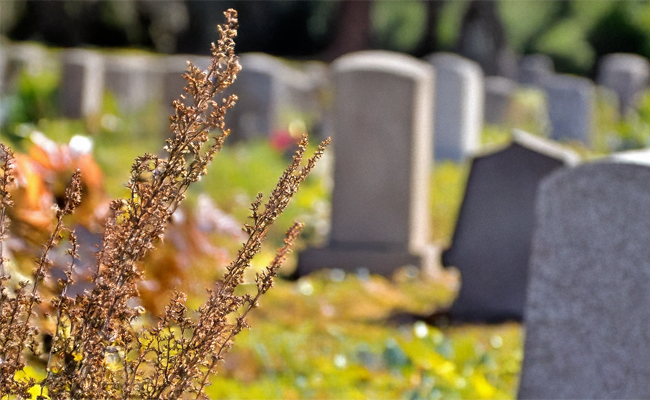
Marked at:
<point>330,335</point>
<point>336,336</point>
<point>333,336</point>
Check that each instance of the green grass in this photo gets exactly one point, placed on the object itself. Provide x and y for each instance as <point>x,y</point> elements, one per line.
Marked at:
<point>330,339</point>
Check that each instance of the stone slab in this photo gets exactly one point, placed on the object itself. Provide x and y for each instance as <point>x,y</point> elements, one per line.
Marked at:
<point>382,149</point>
<point>458,102</point>
<point>491,242</point>
<point>587,335</point>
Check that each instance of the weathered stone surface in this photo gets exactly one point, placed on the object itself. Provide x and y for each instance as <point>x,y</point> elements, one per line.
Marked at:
<point>587,335</point>
<point>491,243</point>
<point>382,150</point>
<point>458,106</point>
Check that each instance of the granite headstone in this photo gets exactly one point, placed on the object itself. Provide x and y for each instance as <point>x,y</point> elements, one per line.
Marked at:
<point>134,79</point>
<point>587,331</point>
<point>491,242</point>
<point>270,93</point>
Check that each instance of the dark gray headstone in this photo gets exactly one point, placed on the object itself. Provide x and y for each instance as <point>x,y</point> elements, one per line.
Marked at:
<point>499,92</point>
<point>82,83</point>
<point>458,106</point>
<point>627,75</point>
<point>491,243</point>
<point>382,151</point>
<point>587,330</point>
<point>534,68</point>
<point>570,101</point>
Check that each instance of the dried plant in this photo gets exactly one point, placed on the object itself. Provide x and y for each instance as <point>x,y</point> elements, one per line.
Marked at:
<point>103,345</point>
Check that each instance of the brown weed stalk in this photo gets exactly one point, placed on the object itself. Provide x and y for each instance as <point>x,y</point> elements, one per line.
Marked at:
<point>101,346</point>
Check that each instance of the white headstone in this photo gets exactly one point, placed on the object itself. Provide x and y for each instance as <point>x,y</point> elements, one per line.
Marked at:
<point>382,151</point>
<point>458,106</point>
<point>27,57</point>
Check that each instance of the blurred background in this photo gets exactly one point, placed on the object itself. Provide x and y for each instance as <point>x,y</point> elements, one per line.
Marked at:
<point>335,334</point>
<point>574,33</point>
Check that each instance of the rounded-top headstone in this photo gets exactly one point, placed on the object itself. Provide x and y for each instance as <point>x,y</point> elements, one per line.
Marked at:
<point>458,106</point>
<point>382,150</point>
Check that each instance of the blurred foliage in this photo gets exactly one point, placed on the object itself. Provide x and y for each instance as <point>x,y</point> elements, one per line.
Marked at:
<point>242,170</point>
<point>630,132</point>
<point>574,33</point>
<point>449,23</point>
<point>398,26</point>
<point>34,98</point>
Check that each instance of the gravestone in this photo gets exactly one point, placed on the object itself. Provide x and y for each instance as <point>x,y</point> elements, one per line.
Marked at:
<point>270,93</point>
<point>570,101</point>
<point>458,106</point>
<point>82,83</point>
<point>173,68</point>
<point>134,79</point>
<point>27,57</point>
<point>534,68</point>
<point>491,242</point>
<point>3,66</point>
<point>587,331</point>
<point>627,75</point>
<point>382,151</point>
<point>499,92</point>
